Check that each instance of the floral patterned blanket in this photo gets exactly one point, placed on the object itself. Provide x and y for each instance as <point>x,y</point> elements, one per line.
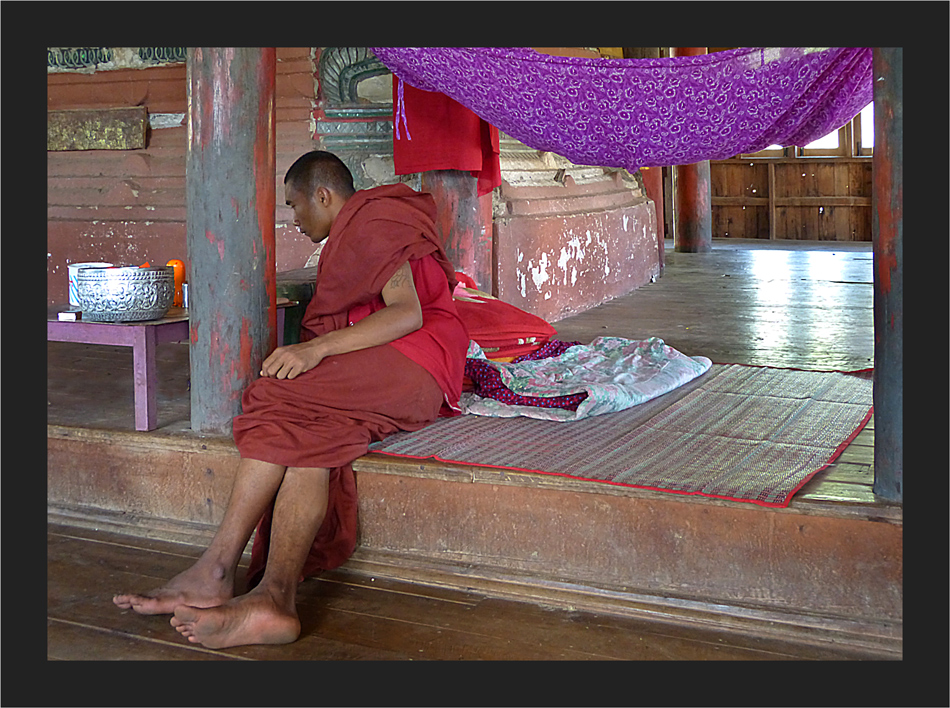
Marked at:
<point>615,373</point>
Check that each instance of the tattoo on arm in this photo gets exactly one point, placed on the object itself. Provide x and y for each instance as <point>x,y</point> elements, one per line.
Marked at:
<point>400,277</point>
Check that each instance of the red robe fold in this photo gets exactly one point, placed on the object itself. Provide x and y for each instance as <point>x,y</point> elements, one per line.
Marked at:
<point>328,416</point>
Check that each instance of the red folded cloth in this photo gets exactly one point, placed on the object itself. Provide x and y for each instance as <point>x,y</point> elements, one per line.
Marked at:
<point>503,331</point>
<point>434,132</point>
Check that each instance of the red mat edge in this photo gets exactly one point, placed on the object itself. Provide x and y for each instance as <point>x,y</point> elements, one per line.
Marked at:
<point>772,505</point>
<point>795,368</point>
<point>836,454</point>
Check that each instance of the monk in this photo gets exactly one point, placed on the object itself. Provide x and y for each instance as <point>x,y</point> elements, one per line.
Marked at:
<point>382,350</point>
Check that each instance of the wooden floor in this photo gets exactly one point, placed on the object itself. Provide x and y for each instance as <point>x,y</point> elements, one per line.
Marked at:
<point>790,304</point>
<point>348,617</point>
<point>779,304</point>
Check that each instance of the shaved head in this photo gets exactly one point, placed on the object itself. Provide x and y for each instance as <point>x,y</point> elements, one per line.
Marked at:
<point>320,169</point>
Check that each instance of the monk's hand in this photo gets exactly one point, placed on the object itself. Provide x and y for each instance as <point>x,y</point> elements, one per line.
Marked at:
<point>291,361</point>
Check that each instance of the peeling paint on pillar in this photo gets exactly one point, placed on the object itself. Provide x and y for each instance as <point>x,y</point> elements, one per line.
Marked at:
<point>887,229</point>
<point>214,241</point>
<point>231,191</point>
<point>461,223</point>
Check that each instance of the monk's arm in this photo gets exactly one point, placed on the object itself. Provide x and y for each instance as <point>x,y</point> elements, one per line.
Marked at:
<point>402,315</point>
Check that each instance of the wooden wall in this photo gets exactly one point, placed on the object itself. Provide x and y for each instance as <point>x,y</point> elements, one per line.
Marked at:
<point>821,199</point>
<point>128,206</point>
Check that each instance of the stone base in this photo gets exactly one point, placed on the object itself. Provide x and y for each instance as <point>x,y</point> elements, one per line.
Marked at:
<point>564,248</point>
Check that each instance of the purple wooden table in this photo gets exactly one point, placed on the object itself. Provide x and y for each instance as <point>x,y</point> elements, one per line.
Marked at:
<point>143,337</point>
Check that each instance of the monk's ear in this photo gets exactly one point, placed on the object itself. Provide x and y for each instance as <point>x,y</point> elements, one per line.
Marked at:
<point>322,196</point>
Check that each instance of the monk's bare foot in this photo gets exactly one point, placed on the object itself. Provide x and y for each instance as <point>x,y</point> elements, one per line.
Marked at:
<point>205,584</point>
<point>255,618</point>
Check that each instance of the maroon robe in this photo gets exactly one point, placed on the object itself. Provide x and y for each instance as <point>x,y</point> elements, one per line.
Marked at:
<point>328,416</point>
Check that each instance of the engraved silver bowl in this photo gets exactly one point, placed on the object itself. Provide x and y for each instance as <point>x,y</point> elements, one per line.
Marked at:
<point>128,294</point>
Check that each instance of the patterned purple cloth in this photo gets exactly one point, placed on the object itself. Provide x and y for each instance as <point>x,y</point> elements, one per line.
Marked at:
<point>554,347</point>
<point>634,113</point>
<point>488,383</point>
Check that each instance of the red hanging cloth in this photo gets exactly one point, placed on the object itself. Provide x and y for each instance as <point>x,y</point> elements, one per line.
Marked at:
<point>434,132</point>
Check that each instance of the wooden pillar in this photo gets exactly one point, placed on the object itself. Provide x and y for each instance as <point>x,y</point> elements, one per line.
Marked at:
<point>466,237</point>
<point>692,202</point>
<point>887,229</point>
<point>653,185</point>
<point>230,186</point>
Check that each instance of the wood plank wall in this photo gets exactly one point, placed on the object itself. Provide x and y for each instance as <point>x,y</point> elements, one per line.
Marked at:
<point>128,206</point>
<point>822,199</point>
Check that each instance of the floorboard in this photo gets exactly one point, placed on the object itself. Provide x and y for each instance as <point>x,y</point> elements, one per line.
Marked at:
<point>351,617</point>
<point>68,640</point>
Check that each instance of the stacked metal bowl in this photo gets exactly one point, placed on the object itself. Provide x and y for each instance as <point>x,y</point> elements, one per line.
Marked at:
<point>125,294</point>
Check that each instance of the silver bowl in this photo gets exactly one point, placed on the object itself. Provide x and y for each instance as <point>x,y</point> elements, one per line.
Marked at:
<point>128,294</point>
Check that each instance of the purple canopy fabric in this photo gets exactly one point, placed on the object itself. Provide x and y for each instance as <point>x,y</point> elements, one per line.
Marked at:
<point>634,113</point>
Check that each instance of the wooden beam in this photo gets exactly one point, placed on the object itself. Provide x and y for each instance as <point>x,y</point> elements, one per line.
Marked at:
<point>823,201</point>
<point>807,159</point>
<point>740,201</point>
<point>828,201</point>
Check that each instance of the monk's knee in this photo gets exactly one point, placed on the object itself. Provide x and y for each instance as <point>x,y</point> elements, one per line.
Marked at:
<point>257,391</point>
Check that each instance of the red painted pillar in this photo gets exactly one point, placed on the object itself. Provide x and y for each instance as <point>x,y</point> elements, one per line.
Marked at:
<point>230,187</point>
<point>692,197</point>
<point>466,237</point>
<point>653,185</point>
<point>887,231</point>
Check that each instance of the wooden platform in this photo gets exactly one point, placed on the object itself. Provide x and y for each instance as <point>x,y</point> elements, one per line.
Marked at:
<point>827,572</point>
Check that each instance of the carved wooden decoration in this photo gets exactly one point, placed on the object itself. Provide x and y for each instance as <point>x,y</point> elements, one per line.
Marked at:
<point>342,68</point>
<point>97,129</point>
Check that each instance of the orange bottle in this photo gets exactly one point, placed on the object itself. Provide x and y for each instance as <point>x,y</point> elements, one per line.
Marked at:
<point>179,268</point>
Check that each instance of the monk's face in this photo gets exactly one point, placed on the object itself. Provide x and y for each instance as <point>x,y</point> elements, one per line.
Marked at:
<point>313,216</point>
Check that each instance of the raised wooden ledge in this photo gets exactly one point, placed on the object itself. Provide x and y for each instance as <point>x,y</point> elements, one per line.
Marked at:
<point>176,438</point>
<point>826,498</point>
<point>822,505</point>
<point>865,615</point>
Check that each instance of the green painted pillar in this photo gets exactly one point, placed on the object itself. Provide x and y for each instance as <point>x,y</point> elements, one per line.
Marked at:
<point>887,230</point>
<point>231,190</point>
